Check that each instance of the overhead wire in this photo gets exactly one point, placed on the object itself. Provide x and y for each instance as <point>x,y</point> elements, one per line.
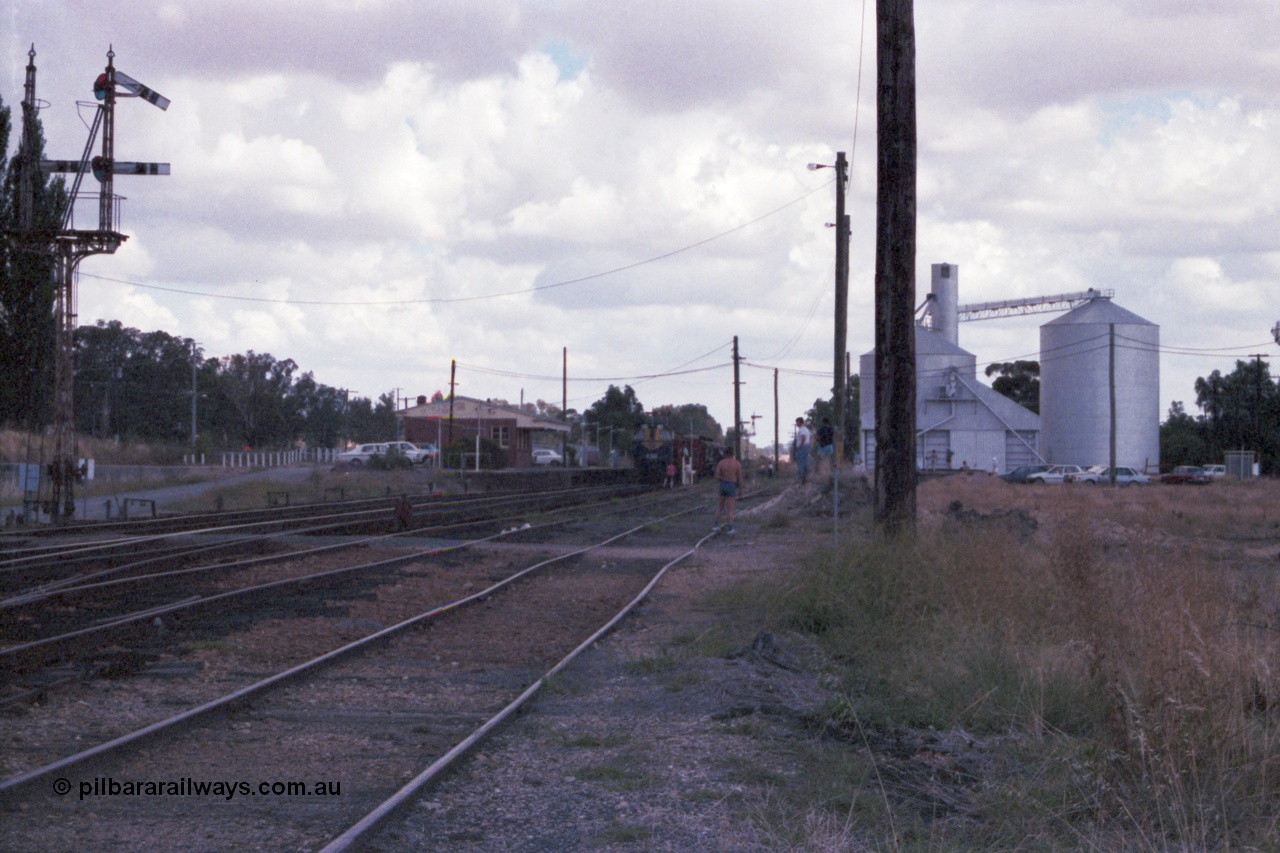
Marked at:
<point>446,300</point>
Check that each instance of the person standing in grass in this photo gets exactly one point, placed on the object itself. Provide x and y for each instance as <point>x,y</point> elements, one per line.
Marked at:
<point>729,476</point>
<point>804,438</point>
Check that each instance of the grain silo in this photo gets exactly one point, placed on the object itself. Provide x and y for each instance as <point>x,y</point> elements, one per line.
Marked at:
<point>1079,353</point>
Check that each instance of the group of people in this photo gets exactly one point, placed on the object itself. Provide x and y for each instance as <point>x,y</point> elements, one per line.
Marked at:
<point>728,472</point>
<point>826,441</point>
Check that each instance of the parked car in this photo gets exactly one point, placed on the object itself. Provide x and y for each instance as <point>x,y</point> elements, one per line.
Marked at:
<point>1022,472</point>
<point>1216,472</point>
<point>1101,474</point>
<point>1192,475</point>
<point>412,452</point>
<point>1054,474</point>
<point>361,454</point>
<point>547,456</point>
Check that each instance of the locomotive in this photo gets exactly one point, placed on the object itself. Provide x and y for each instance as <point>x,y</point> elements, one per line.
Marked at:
<point>655,447</point>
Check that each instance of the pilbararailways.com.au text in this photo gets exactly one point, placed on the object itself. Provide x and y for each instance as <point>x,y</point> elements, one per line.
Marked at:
<point>105,786</point>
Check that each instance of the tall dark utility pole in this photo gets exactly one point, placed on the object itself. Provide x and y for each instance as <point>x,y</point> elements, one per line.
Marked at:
<point>842,300</point>
<point>453,381</point>
<point>737,405</point>
<point>775,419</point>
<point>895,357</point>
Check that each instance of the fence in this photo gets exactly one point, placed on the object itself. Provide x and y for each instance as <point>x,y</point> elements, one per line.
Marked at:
<point>275,458</point>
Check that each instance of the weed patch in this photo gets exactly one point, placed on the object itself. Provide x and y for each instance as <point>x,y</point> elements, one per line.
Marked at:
<point>1130,676</point>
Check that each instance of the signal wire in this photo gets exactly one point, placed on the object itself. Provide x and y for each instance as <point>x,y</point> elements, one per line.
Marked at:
<point>443,300</point>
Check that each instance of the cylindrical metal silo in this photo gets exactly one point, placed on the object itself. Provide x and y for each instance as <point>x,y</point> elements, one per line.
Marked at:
<point>945,286</point>
<point>1079,353</point>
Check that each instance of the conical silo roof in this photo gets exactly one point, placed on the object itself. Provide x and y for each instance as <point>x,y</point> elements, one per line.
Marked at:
<point>1099,310</point>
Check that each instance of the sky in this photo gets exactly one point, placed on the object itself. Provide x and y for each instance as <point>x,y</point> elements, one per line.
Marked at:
<point>376,187</point>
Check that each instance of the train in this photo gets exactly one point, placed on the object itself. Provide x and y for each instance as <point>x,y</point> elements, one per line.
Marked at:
<point>653,448</point>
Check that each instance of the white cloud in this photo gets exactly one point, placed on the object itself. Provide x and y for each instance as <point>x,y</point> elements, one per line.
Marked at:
<point>392,151</point>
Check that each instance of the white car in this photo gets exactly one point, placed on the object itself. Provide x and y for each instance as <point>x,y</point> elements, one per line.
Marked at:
<point>1101,475</point>
<point>361,454</point>
<point>1054,474</point>
<point>547,456</point>
<point>1216,472</point>
<point>415,454</point>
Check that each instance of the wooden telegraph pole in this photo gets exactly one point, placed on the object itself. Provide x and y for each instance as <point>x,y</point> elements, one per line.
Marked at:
<point>895,357</point>
<point>737,405</point>
<point>842,304</point>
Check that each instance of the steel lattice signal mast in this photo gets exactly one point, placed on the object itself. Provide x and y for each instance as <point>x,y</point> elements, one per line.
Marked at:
<point>69,245</point>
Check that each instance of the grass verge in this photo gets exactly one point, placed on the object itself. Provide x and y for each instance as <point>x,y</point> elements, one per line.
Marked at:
<point>1099,681</point>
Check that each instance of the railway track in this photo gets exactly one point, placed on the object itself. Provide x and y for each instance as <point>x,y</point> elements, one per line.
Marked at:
<point>356,726</point>
<point>77,550</point>
<point>68,621</point>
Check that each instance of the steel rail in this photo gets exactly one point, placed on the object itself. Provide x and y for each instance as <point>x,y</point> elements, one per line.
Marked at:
<point>363,830</point>
<point>64,584</point>
<point>19,783</point>
<point>203,601</point>
<point>43,554</point>
<point>14,559</point>
<point>240,515</point>
<point>46,591</point>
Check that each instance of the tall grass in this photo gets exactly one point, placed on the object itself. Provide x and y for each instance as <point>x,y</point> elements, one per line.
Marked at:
<point>1128,642</point>
<point>16,446</point>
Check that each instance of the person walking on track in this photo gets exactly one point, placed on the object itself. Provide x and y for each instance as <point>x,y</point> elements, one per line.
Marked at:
<point>729,477</point>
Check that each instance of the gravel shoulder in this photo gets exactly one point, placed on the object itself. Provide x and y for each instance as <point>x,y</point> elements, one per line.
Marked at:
<point>669,735</point>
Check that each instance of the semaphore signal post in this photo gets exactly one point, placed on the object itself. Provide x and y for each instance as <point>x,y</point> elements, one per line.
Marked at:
<point>68,245</point>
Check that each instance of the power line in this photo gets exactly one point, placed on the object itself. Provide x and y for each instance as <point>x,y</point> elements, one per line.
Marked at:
<point>491,371</point>
<point>444,300</point>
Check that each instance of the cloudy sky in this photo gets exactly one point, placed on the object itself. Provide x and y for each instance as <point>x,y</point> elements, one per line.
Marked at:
<point>375,187</point>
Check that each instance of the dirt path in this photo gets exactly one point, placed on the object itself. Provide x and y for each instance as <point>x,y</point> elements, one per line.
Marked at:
<point>665,737</point>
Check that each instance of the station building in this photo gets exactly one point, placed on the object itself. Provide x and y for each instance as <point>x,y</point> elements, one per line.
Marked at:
<point>515,431</point>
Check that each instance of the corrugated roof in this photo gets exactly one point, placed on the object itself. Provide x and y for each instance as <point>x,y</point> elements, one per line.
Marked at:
<point>1099,311</point>
<point>929,342</point>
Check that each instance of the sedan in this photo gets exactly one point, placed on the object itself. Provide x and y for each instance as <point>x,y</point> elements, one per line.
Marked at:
<point>412,452</point>
<point>1192,475</point>
<point>1054,474</point>
<point>1022,473</point>
<point>361,454</point>
<point>1101,474</point>
<point>547,456</point>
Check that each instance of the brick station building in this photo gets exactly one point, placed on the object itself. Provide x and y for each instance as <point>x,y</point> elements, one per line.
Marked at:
<point>516,432</point>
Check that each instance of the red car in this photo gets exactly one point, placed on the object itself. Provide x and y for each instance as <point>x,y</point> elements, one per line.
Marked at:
<point>1184,475</point>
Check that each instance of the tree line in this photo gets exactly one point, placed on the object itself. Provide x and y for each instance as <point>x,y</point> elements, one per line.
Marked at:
<point>1238,411</point>
<point>27,276</point>
<point>140,384</point>
<point>136,384</point>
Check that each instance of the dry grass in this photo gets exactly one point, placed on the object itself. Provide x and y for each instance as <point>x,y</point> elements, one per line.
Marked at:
<point>23,447</point>
<point>1128,640</point>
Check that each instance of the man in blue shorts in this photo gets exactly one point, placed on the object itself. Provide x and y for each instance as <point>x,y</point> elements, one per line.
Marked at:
<point>729,477</point>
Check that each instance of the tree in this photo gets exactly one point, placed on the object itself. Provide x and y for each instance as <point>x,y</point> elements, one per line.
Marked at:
<point>319,412</point>
<point>1019,381</point>
<point>689,417</point>
<point>1181,439</point>
<point>617,410</point>
<point>27,277</point>
<point>255,390</point>
<point>371,422</point>
<point>1241,410</point>
<point>829,409</point>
